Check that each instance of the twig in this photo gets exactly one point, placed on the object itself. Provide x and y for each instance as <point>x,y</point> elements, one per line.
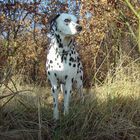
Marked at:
<point>14,84</point>
<point>39,115</point>
<point>7,102</point>
<point>9,88</point>
<point>4,96</point>
<point>137,14</point>
<point>132,8</point>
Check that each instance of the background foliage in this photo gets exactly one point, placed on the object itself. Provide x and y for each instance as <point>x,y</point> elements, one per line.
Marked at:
<point>23,33</point>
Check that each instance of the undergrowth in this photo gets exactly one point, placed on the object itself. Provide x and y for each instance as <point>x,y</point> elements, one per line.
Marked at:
<point>110,111</point>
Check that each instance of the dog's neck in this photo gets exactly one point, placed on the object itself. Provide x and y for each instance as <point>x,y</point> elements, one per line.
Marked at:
<point>61,42</point>
<point>64,39</point>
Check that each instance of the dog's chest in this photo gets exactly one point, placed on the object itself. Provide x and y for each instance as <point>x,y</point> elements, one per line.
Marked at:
<point>62,61</point>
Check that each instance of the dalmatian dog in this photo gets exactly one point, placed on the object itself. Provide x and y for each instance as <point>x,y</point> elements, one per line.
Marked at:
<point>64,67</point>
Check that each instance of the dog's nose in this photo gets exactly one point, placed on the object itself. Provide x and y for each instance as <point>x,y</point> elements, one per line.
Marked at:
<point>78,28</point>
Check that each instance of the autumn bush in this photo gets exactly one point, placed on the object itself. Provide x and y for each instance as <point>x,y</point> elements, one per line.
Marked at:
<point>106,34</point>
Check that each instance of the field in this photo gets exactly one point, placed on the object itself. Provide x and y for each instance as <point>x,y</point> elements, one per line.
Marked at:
<point>109,112</point>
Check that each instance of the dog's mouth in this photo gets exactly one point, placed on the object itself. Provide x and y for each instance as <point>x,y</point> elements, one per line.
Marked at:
<point>74,34</point>
<point>70,35</point>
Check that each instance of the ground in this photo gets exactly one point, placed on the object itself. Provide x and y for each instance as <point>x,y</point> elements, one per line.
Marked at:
<point>110,111</point>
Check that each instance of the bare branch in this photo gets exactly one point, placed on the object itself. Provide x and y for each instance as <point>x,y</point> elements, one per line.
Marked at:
<point>132,8</point>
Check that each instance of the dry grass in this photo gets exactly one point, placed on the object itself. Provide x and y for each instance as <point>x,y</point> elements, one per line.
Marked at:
<point>110,111</point>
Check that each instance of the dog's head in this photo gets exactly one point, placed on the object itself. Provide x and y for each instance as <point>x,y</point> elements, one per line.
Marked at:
<point>66,24</point>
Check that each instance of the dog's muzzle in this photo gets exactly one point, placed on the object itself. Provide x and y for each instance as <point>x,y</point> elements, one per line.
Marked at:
<point>78,28</point>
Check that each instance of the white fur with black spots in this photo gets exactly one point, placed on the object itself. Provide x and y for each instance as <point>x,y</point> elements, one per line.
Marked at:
<point>63,62</point>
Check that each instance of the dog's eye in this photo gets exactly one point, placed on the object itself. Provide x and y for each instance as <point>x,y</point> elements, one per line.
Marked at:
<point>67,20</point>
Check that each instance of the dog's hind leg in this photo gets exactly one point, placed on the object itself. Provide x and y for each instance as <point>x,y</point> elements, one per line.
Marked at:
<point>62,88</point>
<point>79,86</point>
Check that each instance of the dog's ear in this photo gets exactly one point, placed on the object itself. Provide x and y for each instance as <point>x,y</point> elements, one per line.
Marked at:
<point>53,22</point>
<point>54,19</point>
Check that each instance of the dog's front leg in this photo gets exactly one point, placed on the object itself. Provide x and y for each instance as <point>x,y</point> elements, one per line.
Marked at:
<point>67,95</point>
<point>55,102</point>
